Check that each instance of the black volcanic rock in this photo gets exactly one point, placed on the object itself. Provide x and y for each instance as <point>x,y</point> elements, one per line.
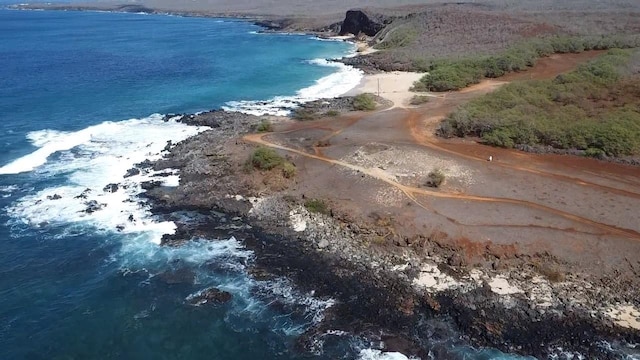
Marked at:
<point>210,296</point>
<point>111,188</point>
<point>359,21</point>
<point>180,276</point>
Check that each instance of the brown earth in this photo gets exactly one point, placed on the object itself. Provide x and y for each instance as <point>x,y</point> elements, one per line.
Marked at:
<point>374,167</point>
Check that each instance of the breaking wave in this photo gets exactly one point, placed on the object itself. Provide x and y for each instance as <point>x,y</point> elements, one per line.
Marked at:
<point>338,83</point>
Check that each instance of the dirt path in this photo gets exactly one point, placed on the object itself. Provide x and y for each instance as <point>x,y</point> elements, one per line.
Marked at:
<point>410,192</point>
<point>577,209</point>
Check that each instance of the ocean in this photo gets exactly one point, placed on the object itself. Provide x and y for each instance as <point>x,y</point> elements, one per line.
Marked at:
<point>82,99</point>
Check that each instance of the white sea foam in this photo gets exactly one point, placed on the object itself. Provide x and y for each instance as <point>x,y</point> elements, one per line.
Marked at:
<point>89,160</point>
<point>372,354</point>
<point>338,83</point>
<point>8,189</point>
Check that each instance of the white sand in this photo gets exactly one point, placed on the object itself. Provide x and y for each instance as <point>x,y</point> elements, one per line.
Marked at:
<point>501,286</point>
<point>626,316</point>
<point>432,279</point>
<point>393,86</point>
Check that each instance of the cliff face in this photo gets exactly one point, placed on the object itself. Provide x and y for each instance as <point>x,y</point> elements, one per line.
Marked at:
<point>359,21</point>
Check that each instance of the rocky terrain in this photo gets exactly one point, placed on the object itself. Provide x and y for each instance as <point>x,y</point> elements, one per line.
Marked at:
<point>385,282</point>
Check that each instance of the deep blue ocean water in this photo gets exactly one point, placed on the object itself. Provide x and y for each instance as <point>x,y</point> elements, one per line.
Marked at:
<point>77,90</point>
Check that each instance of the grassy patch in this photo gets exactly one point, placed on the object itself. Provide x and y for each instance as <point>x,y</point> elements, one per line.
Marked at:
<point>593,108</point>
<point>364,102</point>
<point>332,113</point>
<point>317,206</point>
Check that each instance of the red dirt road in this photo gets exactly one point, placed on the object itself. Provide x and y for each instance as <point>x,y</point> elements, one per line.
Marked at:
<point>582,211</point>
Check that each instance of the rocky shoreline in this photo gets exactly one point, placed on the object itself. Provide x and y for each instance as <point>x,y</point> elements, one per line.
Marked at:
<point>394,291</point>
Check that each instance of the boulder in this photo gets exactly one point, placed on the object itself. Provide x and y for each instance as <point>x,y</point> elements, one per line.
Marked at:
<point>111,188</point>
<point>324,243</point>
<point>132,172</point>
<point>148,185</point>
<point>84,194</point>
<point>209,296</point>
<point>358,21</point>
<point>93,206</point>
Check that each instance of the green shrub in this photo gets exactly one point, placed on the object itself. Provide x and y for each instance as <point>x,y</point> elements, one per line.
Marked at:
<point>595,153</point>
<point>364,102</point>
<point>332,113</point>
<point>304,114</point>
<point>264,126</point>
<point>447,75</point>
<point>419,99</point>
<point>592,108</point>
<point>316,206</point>
<point>265,159</point>
<point>499,137</point>
<point>435,178</point>
<point>288,170</point>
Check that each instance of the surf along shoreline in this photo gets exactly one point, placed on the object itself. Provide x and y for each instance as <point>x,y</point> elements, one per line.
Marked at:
<point>381,288</point>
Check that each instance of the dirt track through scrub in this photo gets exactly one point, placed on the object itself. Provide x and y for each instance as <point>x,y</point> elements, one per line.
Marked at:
<point>568,205</point>
<point>410,192</point>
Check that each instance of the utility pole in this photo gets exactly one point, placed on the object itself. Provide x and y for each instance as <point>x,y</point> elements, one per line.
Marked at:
<point>378,87</point>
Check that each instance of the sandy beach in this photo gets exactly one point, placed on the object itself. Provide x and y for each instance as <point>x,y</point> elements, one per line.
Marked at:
<point>393,86</point>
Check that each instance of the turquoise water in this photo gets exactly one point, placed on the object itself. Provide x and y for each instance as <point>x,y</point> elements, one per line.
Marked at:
<point>77,94</point>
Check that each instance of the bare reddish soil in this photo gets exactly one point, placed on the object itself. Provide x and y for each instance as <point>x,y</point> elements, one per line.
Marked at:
<point>374,166</point>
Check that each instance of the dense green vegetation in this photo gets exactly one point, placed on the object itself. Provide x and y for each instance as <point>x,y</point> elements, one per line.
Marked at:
<point>445,75</point>
<point>595,108</point>
<point>364,102</point>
